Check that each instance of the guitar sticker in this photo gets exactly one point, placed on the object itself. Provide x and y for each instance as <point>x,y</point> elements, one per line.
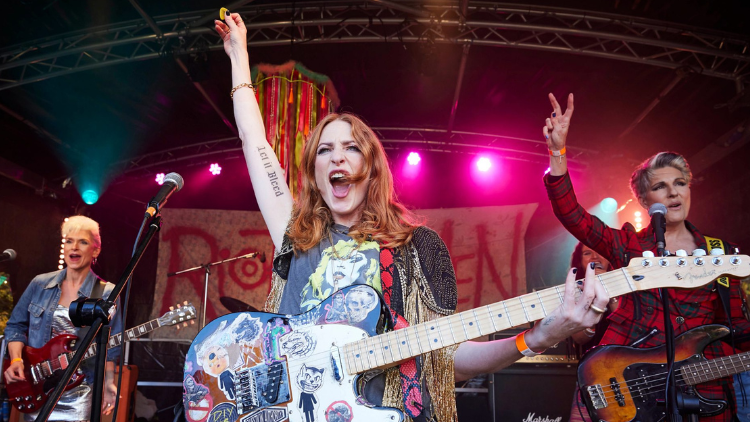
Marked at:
<point>196,400</point>
<point>274,329</point>
<point>274,414</point>
<point>304,320</point>
<point>309,380</point>
<point>215,353</point>
<point>298,344</point>
<point>224,412</point>
<point>359,302</point>
<point>339,411</point>
<point>336,310</point>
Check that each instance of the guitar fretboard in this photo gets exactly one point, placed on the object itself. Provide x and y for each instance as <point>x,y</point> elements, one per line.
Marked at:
<point>391,348</point>
<point>709,370</point>
<point>116,339</point>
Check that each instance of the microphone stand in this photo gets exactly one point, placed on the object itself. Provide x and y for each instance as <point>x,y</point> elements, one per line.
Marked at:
<point>96,314</point>
<point>207,267</point>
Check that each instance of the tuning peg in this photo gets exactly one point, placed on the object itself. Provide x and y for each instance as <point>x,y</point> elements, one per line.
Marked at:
<point>699,252</point>
<point>648,254</point>
<point>178,326</point>
<point>184,324</point>
<point>192,322</point>
<point>178,306</point>
<point>171,308</point>
<point>717,251</point>
<point>681,252</point>
<point>184,303</point>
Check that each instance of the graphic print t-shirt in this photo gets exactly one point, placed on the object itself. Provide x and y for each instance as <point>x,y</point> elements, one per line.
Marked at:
<point>319,272</point>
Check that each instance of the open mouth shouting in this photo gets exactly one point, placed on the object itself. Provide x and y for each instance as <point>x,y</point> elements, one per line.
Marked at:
<point>340,185</point>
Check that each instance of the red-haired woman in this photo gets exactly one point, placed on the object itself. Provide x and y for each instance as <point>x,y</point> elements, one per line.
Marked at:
<point>348,228</point>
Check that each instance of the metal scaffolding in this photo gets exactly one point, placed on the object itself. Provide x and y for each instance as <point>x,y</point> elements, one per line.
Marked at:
<point>627,38</point>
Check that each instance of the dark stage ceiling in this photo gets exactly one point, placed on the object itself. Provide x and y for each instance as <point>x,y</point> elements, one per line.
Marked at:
<point>97,90</point>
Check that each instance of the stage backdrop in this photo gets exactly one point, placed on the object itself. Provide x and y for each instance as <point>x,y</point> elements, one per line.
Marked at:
<point>486,246</point>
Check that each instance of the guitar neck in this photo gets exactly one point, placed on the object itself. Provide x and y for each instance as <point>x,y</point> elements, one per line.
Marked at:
<point>391,348</point>
<point>709,370</point>
<point>131,333</point>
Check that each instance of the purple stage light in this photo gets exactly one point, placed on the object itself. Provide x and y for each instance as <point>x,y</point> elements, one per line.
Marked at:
<point>215,169</point>
<point>413,158</point>
<point>484,164</point>
<point>160,178</point>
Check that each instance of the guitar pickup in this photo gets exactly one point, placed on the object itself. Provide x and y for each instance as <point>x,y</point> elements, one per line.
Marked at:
<point>261,386</point>
<point>596,394</point>
<point>619,398</point>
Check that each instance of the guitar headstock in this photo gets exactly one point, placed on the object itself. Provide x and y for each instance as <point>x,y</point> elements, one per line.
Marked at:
<point>179,315</point>
<point>686,272</point>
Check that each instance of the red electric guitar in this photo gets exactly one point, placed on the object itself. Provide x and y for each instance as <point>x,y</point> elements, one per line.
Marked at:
<point>44,366</point>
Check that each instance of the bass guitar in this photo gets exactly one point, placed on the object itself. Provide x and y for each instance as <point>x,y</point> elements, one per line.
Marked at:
<point>43,366</point>
<point>622,383</point>
<point>254,366</point>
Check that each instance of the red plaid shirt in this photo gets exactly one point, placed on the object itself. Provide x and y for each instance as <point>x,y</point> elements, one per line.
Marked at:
<point>642,311</point>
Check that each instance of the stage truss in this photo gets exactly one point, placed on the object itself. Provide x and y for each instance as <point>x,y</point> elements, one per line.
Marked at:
<point>625,38</point>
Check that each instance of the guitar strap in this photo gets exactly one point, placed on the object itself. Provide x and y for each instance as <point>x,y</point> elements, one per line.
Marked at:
<point>722,287</point>
<point>96,291</point>
<point>411,387</point>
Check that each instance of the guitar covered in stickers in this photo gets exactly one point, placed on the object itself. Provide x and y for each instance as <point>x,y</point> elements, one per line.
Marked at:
<point>262,367</point>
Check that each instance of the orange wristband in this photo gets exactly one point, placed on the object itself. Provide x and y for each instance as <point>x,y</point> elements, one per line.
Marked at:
<point>558,153</point>
<point>523,347</point>
<point>16,360</point>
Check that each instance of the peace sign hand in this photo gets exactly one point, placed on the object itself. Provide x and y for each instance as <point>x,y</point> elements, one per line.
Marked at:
<point>556,126</point>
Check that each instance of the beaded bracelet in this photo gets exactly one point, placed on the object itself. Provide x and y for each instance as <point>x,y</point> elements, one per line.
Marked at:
<point>242,85</point>
<point>523,347</point>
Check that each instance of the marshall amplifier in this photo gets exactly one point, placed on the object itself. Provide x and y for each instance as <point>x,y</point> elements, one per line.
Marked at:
<point>538,389</point>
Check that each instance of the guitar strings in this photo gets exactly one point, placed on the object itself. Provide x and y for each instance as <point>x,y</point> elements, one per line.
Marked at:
<point>514,309</point>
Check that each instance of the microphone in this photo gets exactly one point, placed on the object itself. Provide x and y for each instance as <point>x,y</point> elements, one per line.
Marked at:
<point>172,183</point>
<point>10,255</point>
<point>658,213</point>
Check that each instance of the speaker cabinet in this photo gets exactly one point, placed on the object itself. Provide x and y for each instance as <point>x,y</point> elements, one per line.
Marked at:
<point>533,392</point>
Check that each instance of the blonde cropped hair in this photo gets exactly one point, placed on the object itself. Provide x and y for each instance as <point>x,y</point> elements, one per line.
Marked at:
<point>640,180</point>
<point>78,223</point>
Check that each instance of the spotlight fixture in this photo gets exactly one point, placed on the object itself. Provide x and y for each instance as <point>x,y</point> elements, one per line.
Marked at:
<point>215,169</point>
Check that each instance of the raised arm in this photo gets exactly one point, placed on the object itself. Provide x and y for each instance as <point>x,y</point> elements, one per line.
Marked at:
<point>555,132</point>
<point>273,195</point>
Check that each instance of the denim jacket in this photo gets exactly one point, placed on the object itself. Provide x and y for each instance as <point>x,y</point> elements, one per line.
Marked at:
<point>31,319</point>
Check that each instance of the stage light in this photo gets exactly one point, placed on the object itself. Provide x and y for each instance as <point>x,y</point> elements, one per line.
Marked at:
<point>66,219</point>
<point>609,205</point>
<point>61,262</point>
<point>638,219</point>
<point>413,158</point>
<point>59,267</point>
<point>484,164</point>
<point>546,172</point>
<point>90,196</point>
<point>160,178</point>
<point>215,169</point>
<point>637,213</point>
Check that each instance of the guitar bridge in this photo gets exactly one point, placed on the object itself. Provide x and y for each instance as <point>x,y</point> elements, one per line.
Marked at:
<point>261,386</point>
<point>596,394</point>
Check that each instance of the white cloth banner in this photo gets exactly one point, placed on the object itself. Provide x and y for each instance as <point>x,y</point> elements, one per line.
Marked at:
<point>486,246</point>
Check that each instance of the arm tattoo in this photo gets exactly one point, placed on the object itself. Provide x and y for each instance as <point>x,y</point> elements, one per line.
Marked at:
<point>271,174</point>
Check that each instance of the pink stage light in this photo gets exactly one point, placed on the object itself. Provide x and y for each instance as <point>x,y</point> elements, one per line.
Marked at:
<point>413,158</point>
<point>215,169</point>
<point>484,164</point>
<point>160,178</point>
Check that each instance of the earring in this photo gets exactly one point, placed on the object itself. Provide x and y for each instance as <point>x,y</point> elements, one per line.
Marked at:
<point>93,262</point>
